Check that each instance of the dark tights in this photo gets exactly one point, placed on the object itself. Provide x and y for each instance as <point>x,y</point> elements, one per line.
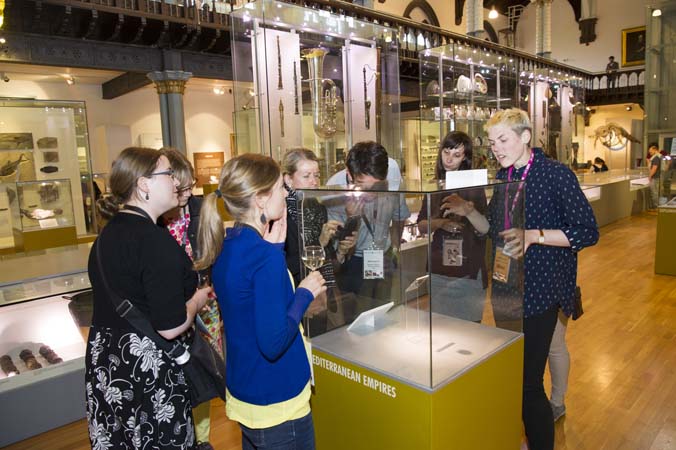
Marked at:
<point>537,413</point>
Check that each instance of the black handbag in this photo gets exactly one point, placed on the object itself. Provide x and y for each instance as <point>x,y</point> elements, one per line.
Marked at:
<point>577,304</point>
<point>202,364</point>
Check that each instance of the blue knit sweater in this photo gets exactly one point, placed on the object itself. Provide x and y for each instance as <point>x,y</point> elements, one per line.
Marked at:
<point>266,361</point>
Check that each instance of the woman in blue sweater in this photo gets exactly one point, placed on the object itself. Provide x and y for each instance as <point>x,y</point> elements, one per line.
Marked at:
<point>267,367</point>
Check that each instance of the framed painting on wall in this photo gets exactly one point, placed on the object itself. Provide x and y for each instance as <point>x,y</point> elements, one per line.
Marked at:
<point>633,47</point>
<point>207,165</point>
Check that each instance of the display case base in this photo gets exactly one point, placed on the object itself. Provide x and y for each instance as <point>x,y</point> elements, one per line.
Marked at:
<point>28,241</point>
<point>48,402</point>
<point>665,242</point>
<point>358,408</point>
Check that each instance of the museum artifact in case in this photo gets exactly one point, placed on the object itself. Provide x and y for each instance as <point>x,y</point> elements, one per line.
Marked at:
<point>42,214</point>
<point>49,141</point>
<point>309,78</point>
<point>42,347</point>
<point>407,323</point>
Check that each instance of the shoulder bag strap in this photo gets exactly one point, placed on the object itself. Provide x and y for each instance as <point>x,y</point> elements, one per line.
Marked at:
<point>138,320</point>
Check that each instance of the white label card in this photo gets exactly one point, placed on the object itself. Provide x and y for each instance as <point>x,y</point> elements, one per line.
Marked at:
<point>373,265</point>
<point>452,252</point>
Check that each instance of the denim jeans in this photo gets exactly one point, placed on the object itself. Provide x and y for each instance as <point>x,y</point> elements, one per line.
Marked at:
<point>296,434</point>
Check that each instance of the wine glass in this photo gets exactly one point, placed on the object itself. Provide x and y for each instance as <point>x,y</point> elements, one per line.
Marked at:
<point>313,256</point>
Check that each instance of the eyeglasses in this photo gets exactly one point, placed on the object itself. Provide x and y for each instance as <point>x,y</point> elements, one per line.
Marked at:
<point>182,189</point>
<point>169,172</point>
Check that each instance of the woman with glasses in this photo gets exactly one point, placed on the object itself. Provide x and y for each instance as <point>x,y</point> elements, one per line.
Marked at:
<point>137,396</point>
<point>182,225</point>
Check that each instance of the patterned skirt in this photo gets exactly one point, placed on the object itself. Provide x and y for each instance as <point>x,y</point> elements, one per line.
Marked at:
<point>137,397</point>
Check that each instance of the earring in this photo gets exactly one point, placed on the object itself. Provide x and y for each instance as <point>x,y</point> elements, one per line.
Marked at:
<point>264,219</point>
<point>147,196</point>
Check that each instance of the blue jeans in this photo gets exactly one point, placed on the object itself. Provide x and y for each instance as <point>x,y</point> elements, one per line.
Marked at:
<point>296,434</point>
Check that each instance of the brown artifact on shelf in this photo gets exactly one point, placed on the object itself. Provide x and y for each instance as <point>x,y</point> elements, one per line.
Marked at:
<point>7,366</point>
<point>29,359</point>
<point>49,354</point>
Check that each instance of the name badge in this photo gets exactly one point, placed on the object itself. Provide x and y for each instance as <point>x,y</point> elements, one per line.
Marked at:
<point>452,251</point>
<point>373,265</point>
<point>501,265</point>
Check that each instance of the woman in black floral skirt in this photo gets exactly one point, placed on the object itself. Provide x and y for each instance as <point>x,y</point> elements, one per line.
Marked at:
<point>137,396</point>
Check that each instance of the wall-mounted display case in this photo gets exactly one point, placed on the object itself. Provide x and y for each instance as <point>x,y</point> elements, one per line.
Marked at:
<point>42,347</point>
<point>461,87</point>
<point>43,140</point>
<point>42,214</point>
<point>405,325</point>
<point>309,78</point>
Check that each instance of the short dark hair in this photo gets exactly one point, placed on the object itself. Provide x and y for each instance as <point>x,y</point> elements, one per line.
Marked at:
<point>452,140</point>
<point>598,160</point>
<point>611,57</point>
<point>367,158</point>
<point>653,144</point>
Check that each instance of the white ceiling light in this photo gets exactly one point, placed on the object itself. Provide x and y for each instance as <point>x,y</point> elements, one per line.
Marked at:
<point>493,14</point>
<point>657,12</point>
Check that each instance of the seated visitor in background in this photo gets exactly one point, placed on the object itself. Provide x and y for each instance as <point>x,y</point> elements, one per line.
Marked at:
<point>599,165</point>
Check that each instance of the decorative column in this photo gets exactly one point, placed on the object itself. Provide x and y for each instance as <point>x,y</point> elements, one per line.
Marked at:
<point>538,27</point>
<point>547,29</point>
<point>475,18</point>
<point>170,85</point>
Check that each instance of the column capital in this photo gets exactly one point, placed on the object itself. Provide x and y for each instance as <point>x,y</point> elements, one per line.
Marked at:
<point>170,81</point>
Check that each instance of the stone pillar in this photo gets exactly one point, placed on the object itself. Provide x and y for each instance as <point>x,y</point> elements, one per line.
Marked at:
<point>170,85</point>
<point>475,18</point>
<point>547,29</point>
<point>538,27</point>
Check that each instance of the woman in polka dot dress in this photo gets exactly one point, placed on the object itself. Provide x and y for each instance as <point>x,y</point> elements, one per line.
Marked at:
<point>182,224</point>
<point>559,222</point>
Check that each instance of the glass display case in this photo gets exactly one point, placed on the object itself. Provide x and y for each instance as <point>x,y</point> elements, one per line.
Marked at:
<point>42,347</point>
<point>408,322</point>
<point>461,87</point>
<point>665,240</point>
<point>41,214</point>
<point>309,78</point>
<point>44,140</point>
<point>424,292</point>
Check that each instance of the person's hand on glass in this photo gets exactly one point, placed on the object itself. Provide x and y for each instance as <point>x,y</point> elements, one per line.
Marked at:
<point>346,245</point>
<point>454,204</point>
<point>354,205</point>
<point>328,230</point>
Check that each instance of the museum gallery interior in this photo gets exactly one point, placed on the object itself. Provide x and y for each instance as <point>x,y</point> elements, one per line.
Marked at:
<point>83,79</point>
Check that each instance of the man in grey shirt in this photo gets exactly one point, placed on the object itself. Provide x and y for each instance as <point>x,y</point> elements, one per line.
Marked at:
<point>369,272</point>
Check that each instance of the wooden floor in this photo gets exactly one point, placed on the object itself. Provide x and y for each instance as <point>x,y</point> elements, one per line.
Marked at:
<point>622,390</point>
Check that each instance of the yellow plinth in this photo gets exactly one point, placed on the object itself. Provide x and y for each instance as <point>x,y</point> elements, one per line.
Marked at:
<point>356,408</point>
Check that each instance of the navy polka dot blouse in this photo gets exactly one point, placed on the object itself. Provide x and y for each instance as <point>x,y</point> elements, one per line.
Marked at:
<point>554,201</point>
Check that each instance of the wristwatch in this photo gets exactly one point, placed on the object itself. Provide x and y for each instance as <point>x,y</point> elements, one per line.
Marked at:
<point>541,238</point>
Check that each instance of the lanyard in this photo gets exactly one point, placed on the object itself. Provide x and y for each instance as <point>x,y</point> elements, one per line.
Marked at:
<point>508,210</point>
<point>371,227</point>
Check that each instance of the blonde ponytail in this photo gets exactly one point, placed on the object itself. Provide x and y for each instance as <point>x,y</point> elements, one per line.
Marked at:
<point>210,232</point>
